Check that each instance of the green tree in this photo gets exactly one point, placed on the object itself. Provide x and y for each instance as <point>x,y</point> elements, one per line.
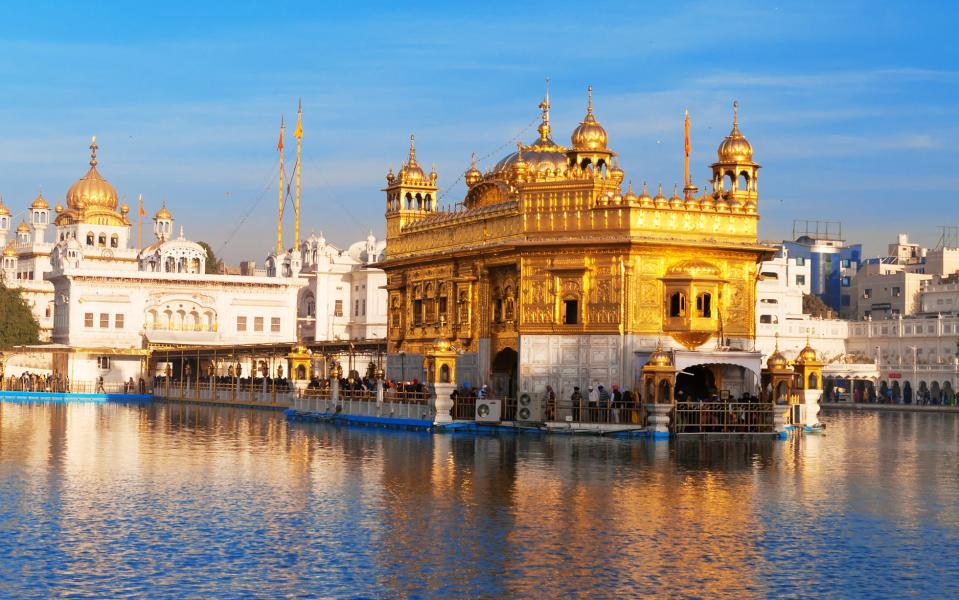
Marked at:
<point>17,325</point>
<point>813,305</point>
<point>212,265</point>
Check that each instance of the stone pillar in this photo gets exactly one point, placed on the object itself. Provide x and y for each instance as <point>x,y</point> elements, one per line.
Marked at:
<point>442,376</point>
<point>658,419</point>
<point>335,372</point>
<point>379,375</point>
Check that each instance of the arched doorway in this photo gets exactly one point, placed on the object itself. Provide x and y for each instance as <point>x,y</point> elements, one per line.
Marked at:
<point>695,383</point>
<point>503,373</point>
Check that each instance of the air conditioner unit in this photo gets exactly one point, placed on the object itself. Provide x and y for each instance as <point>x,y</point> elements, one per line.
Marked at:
<point>529,408</point>
<point>488,411</point>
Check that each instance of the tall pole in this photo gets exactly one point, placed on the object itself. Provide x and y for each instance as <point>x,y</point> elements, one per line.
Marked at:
<point>279,220</point>
<point>686,153</point>
<point>140,226</point>
<point>299,143</point>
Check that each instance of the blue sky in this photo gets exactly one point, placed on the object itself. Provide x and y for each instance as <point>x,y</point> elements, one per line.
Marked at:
<point>851,106</point>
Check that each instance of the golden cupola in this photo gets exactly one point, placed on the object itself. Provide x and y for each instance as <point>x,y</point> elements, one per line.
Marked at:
<point>735,147</point>
<point>543,158</point>
<point>589,140</point>
<point>807,355</point>
<point>735,173</point>
<point>92,190</point>
<point>411,172</point>
<point>23,227</point>
<point>4,211</point>
<point>40,202</point>
<point>776,361</point>
<point>473,175</point>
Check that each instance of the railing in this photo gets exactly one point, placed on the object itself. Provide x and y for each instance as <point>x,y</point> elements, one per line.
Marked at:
<point>257,391</point>
<point>464,409</point>
<point>722,417</point>
<point>362,403</point>
<point>17,384</point>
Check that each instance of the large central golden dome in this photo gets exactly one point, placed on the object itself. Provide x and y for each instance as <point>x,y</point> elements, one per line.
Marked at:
<point>92,190</point>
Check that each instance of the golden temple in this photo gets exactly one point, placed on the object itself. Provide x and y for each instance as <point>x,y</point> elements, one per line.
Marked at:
<point>549,271</point>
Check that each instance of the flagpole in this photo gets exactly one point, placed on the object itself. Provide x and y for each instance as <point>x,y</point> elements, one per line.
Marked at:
<point>279,219</point>
<point>140,226</point>
<point>299,144</point>
<point>686,151</point>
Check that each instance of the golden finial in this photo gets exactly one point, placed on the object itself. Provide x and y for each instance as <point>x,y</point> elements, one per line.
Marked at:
<point>544,128</point>
<point>473,160</point>
<point>412,150</point>
<point>519,150</point>
<point>589,101</point>
<point>93,151</point>
<point>735,113</point>
<point>777,341</point>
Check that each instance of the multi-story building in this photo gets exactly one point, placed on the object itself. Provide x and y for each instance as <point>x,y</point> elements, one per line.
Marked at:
<point>832,263</point>
<point>549,273</point>
<point>886,289</point>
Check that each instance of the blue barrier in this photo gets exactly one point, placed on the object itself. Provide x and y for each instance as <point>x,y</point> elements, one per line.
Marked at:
<point>58,397</point>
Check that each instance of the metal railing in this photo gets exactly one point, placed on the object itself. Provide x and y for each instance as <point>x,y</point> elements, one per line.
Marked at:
<point>362,403</point>
<point>722,417</point>
<point>258,391</point>
<point>18,384</point>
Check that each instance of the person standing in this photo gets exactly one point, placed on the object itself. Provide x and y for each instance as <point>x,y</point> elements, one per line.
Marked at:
<point>576,401</point>
<point>594,403</point>
<point>550,404</point>
<point>603,404</point>
<point>616,403</point>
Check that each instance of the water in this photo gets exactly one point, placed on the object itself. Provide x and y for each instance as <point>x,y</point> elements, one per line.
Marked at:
<point>166,500</point>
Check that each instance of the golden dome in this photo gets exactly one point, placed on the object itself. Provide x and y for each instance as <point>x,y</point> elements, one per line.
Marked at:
<point>660,199</point>
<point>4,211</point>
<point>411,172</point>
<point>92,190</point>
<point>644,198</point>
<point>473,175</point>
<point>675,201</point>
<point>589,135</point>
<point>124,209</point>
<point>59,208</point>
<point>9,251</point>
<point>694,268</point>
<point>807,354</point>
<point>163,213</point>
<point>23,227</point>
<point>777,360</point>
<point>631,198</point>
<point>735,147</point>
<point>543,156</point>
<point>40,202</point>
<point>659,358</point>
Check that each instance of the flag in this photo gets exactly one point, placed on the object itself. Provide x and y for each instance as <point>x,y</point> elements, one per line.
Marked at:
<point>299,123</point>
<point>686,147</point>
<point>143,213</point>
<point>279,145</point>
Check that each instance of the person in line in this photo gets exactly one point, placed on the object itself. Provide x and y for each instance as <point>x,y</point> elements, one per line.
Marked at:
<point>550,404</point>
<point>593,399</point>
<point>604,402</point>
<point>616,403</point>
<point>576,402</point>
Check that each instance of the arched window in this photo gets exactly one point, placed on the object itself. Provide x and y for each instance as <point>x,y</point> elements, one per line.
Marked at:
<point>444,373</point>
<point>89,239</point>
<point>102,239</point>
<point>704,305</point>
<point>114,241</point>
<point>744,181</point>
<point>419,201</point>
<point>677,305</point>
<point>728,182</point>
<point>409,201</point>
<point>813,381</point>
<point>428,203</point>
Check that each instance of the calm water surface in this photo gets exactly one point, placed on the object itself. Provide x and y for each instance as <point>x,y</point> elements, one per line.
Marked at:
<point>159,501</point>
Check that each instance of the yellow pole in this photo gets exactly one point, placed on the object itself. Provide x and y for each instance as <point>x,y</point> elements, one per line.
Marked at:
<point>279,220</point>
<point>299,144</point>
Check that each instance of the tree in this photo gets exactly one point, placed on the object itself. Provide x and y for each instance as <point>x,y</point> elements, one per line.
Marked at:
<point>17,325</point>
<point>813,305</point>
<point>212,265</point>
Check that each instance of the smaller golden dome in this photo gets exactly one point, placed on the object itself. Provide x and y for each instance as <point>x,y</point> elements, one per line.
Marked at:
<point>631,198</point>
<point>589,135</point>
<point>411,172</point>
<point>59,208</point>
<point>735,147</point>
<point>9,251</point>
<point>520,167</point>
<point>616,174</point>
<point>4,211</point>
<point>124,209</point>
<point>23,227</point>
<point>644,198</point>
<point>675,201</point>
<point>807,354</point>
<point>659,358</point>
<point>473,175</point>
<point>660,199</point>
<point>163,213</point>
<point>777,360</point>
<point>40,202</point>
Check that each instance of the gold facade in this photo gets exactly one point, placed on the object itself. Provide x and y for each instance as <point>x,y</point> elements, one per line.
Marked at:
<point>547,242</point>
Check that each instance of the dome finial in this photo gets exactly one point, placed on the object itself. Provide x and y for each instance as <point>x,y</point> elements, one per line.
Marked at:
<point>589,99</point>
<point>93,151</point>
<point>544,128</point>
<point>412,150</point>
<point>735,113</point>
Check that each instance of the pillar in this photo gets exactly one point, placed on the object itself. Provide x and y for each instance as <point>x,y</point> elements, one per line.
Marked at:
<point>442,377</point>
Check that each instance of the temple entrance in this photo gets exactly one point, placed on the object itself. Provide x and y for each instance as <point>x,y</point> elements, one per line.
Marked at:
<point>695,383</point>
<point>503,373</point>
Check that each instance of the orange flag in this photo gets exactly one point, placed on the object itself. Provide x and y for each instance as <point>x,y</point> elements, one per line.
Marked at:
<point>687,133</point>
<point>143,213</point>
<point>279,145</point>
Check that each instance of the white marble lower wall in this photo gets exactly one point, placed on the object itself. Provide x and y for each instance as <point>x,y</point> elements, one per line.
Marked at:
<point>566,361</point>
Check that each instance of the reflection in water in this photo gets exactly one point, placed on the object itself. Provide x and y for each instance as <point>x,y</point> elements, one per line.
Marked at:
<point>210,501</point>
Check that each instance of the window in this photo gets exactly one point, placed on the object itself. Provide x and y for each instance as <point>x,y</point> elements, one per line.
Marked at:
<point>114,241</point>
<point>677,305</point>
<point>845,281</point>
<point>867,293</point>
<point>768,319</point>
<point>118,321</point>
<point>442,305</point>
<point>103,362</point>
<point>866,314</point>
<point>88,319</point>
<point>102,240</point>
<point>356,308</point>
<point>845,300</point>
<point>800,261</point>
<point>770,275</point>
<point>258,324</point>
<point>417,312</point>
<point>275,325</point>
<point>338,308</point>
<point>845,263</point>
<point>897,292</point>
<point>89,239</point>
<point>104,320</point>
<point>704,305</point>
<point>800,280</point>
<point>241,323</point>
<point>570,312</point>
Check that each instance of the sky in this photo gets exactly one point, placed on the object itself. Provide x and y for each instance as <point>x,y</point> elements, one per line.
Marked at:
<point>851,107</point>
